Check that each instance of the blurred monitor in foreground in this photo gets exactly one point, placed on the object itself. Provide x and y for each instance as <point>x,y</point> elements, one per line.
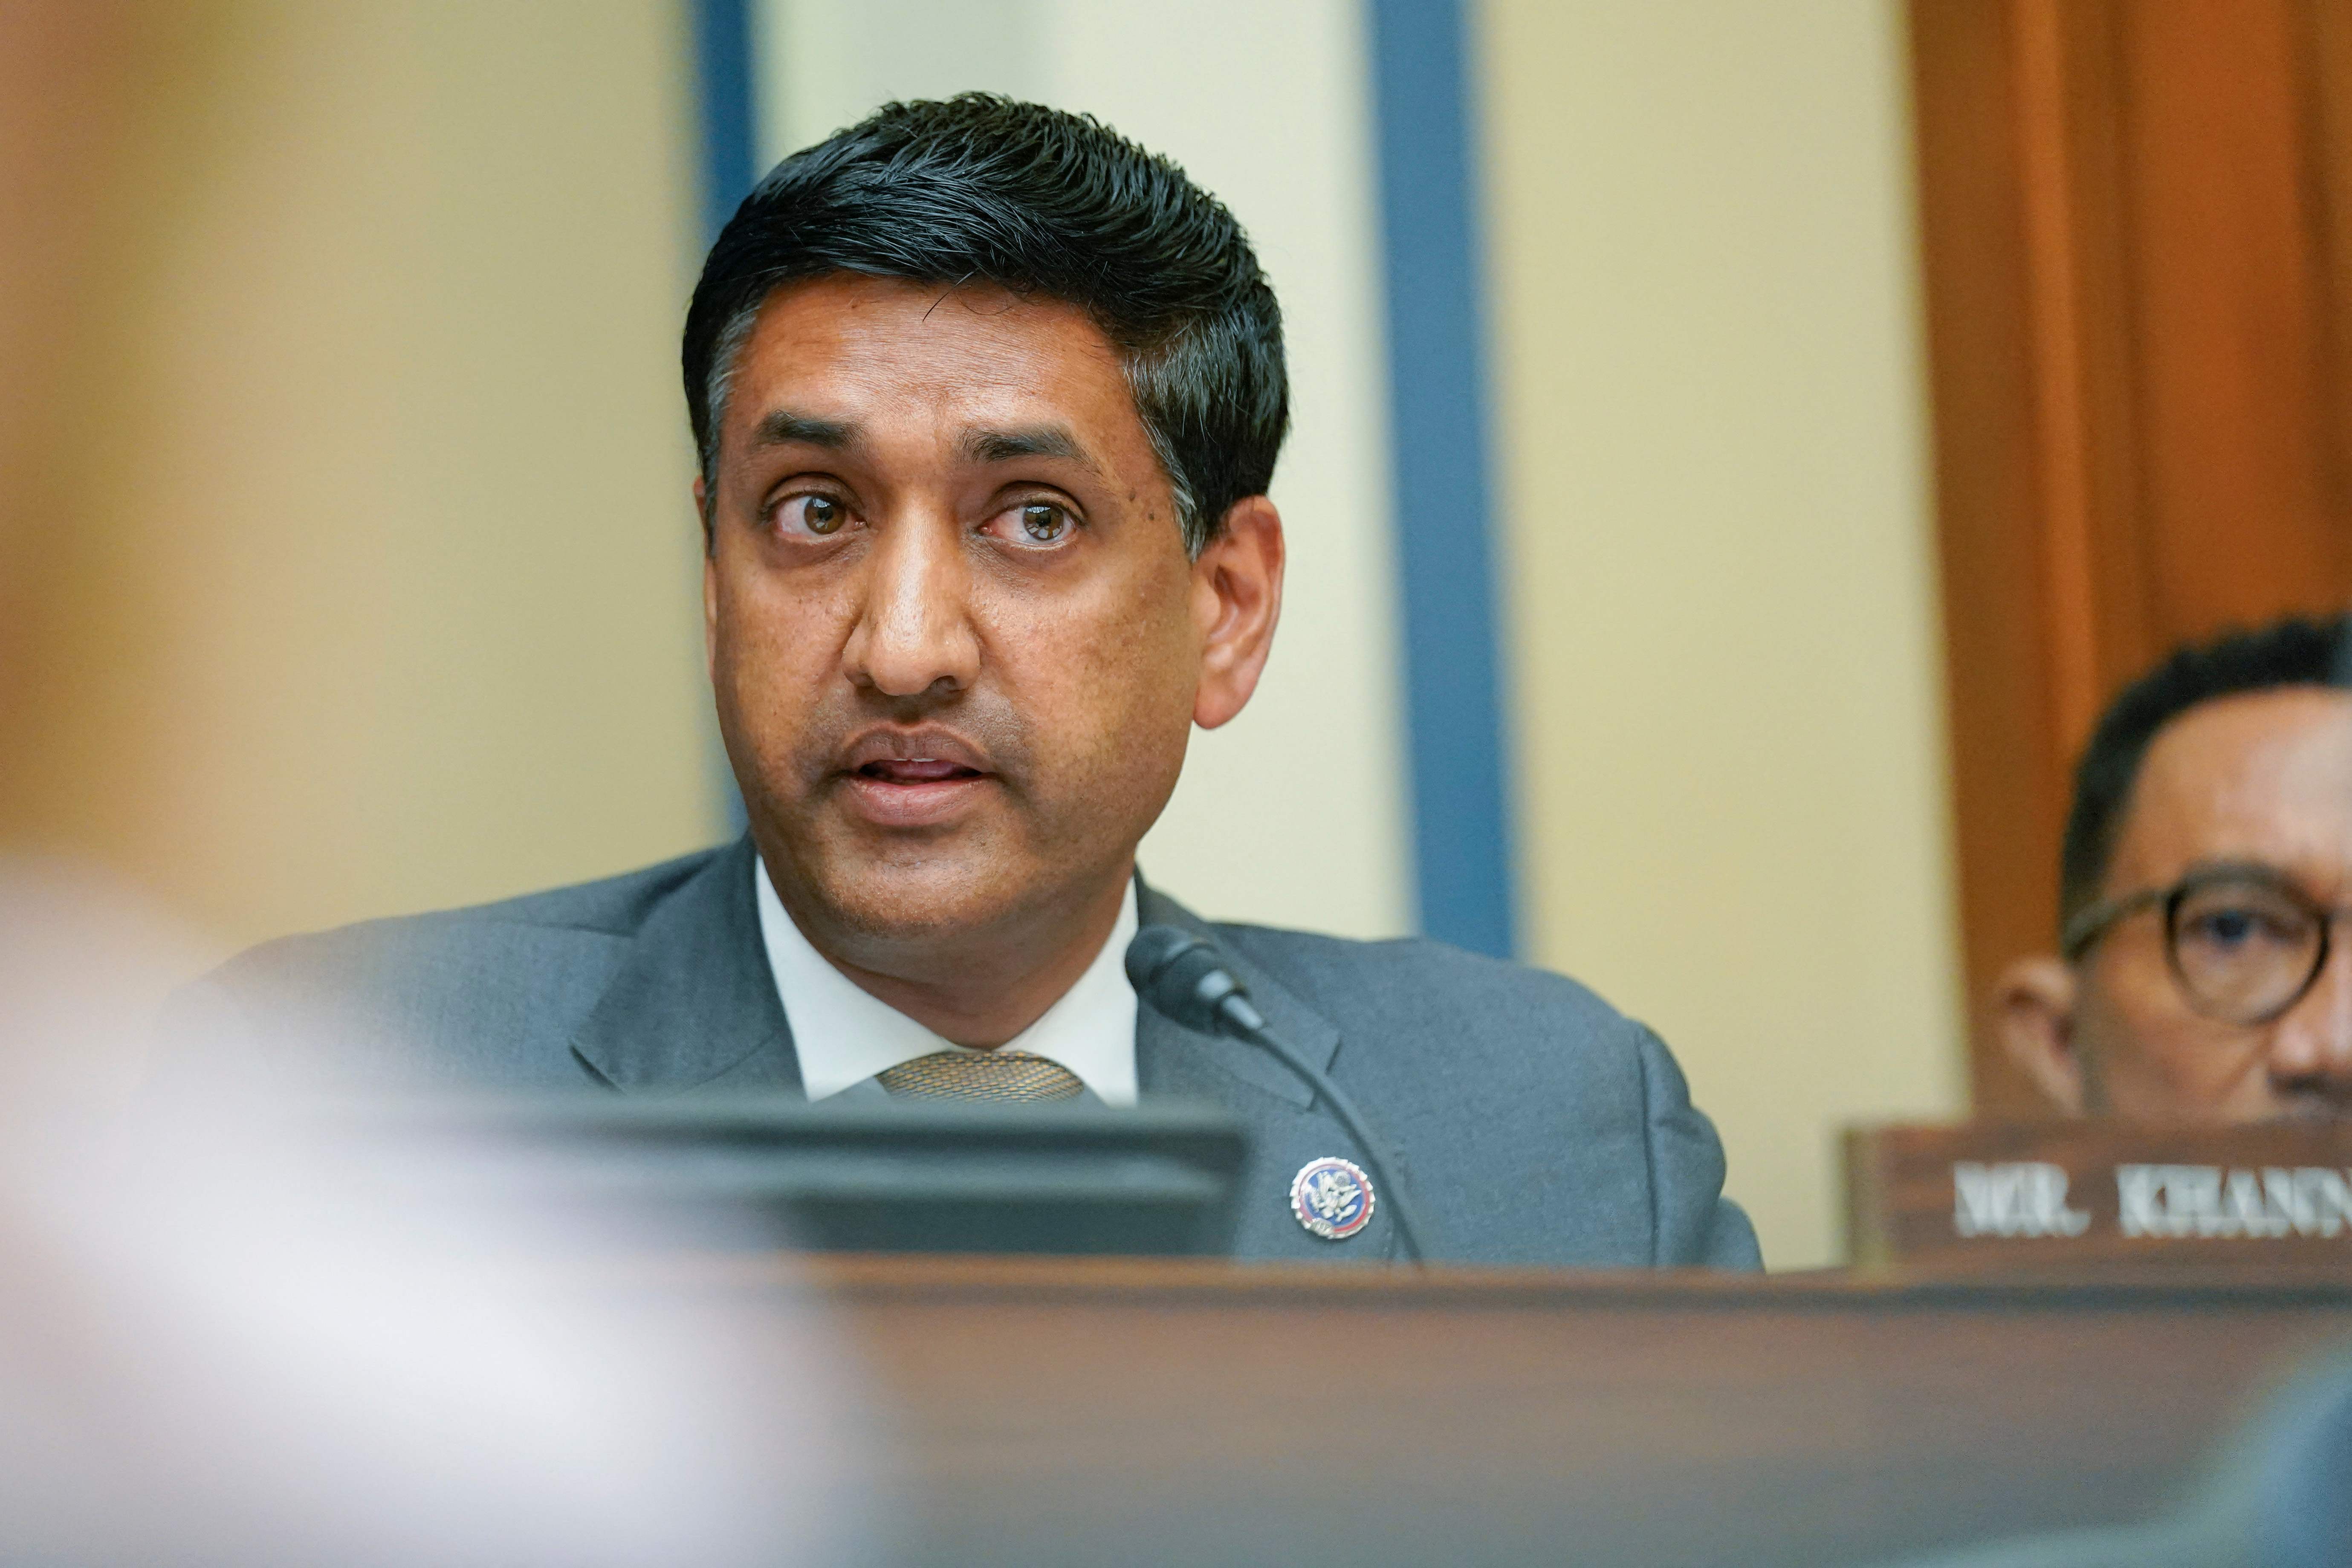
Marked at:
<point>2203,972</point>
<point>722,1172</point>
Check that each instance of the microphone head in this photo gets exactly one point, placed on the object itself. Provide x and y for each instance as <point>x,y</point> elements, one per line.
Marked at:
<point>1179,975</point>
<point>1151,951</point>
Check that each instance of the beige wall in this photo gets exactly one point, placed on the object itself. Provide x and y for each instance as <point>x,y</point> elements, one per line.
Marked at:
<point>371,576</point>
<point>1718,548</point>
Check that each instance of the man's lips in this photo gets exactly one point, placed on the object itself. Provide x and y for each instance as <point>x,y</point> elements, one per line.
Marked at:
<point>906,770</point>
<point>913,756</point>
<point>903,780</point>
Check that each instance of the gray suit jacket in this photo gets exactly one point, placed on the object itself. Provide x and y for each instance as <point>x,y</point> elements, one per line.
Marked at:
<point>1535,1124</point>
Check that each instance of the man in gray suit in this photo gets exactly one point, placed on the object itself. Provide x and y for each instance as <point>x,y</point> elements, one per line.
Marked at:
<point>987,401</point>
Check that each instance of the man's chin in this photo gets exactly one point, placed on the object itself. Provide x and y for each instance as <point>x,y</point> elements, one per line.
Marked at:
<point>918,900</point>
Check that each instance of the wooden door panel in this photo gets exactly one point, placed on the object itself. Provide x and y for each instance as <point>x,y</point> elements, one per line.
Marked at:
<point>2230,311</point>
<point>2134,218</point>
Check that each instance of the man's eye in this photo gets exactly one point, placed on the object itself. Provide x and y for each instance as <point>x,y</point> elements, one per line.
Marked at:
<point>817,515</point>
<point>2225,927</point>
<point>1044,523</point>
<point>2230,927</point>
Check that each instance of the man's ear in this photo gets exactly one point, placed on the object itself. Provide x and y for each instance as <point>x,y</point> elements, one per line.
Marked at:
<point>1236,600</point>
<point>702,515</point>
<point>710,586</point>
<point>2033,1009</point>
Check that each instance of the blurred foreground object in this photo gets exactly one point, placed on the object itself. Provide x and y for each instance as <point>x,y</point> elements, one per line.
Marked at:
<point>61,90</point>
<point>232,1345</point>
<point>85,962</point>
<point>2279,1498</point>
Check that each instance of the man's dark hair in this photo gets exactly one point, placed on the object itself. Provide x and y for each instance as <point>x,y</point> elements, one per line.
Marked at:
<point>980,189</point>
<point>2294,652</point>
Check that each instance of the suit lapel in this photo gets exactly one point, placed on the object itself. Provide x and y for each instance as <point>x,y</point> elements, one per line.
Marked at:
<point>694,1004</point>
<point>1289,1125</point>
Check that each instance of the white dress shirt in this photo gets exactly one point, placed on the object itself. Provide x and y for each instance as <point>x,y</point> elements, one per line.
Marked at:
<point>844,1036</point>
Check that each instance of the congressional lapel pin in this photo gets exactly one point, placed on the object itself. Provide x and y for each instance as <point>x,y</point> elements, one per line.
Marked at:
<point>1332,1197</point>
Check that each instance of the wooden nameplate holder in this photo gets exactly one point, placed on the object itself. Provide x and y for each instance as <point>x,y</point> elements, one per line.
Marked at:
<point>2062,1195</point>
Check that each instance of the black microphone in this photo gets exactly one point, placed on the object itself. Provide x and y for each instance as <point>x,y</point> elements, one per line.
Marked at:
<point>1181,975</point>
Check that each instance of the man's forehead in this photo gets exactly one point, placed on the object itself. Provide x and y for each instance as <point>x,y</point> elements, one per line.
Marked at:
<point>2264,777</point>
<point>810,325</point>
<point>870,353</point>
<point>975,443</point>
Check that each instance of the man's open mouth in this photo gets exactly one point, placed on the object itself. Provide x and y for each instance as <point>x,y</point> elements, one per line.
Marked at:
<point>917,771</point>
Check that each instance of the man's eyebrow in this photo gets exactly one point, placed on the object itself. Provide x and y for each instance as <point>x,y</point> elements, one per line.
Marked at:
<point>782,427</point>
<point>2219,867</point>
<point>1035,441</point>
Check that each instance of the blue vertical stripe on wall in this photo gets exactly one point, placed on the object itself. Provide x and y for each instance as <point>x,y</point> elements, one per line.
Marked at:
<point>1460,806</point>
<point>730,123</point>
<point>723,68</point>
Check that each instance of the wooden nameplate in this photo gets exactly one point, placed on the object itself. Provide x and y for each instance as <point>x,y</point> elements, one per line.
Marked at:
<point>2061,1194</point>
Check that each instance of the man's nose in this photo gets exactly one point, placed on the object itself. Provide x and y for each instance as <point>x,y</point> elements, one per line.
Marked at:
<point>2314,1040</point>
<point>914,631</point>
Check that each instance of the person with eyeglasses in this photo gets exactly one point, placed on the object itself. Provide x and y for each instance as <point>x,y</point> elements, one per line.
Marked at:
<point>2205,956</point>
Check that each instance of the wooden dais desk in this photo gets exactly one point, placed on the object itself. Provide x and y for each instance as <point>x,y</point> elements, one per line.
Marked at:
<point>1043,1411</point>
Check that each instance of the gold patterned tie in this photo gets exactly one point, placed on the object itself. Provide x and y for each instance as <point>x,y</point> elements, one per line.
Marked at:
<point>998,1074</point>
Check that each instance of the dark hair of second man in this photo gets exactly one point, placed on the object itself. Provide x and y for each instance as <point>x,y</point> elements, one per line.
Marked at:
<point>2293,652</point>
<point>980,189</point>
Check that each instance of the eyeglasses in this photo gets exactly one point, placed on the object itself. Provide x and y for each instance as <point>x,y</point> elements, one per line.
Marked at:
<point>2244,943</point>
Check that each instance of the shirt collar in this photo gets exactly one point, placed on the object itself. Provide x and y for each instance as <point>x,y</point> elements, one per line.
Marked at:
<point>844,1036</point>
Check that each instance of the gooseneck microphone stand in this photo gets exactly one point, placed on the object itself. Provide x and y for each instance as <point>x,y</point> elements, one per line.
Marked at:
<point>1181,975</point>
